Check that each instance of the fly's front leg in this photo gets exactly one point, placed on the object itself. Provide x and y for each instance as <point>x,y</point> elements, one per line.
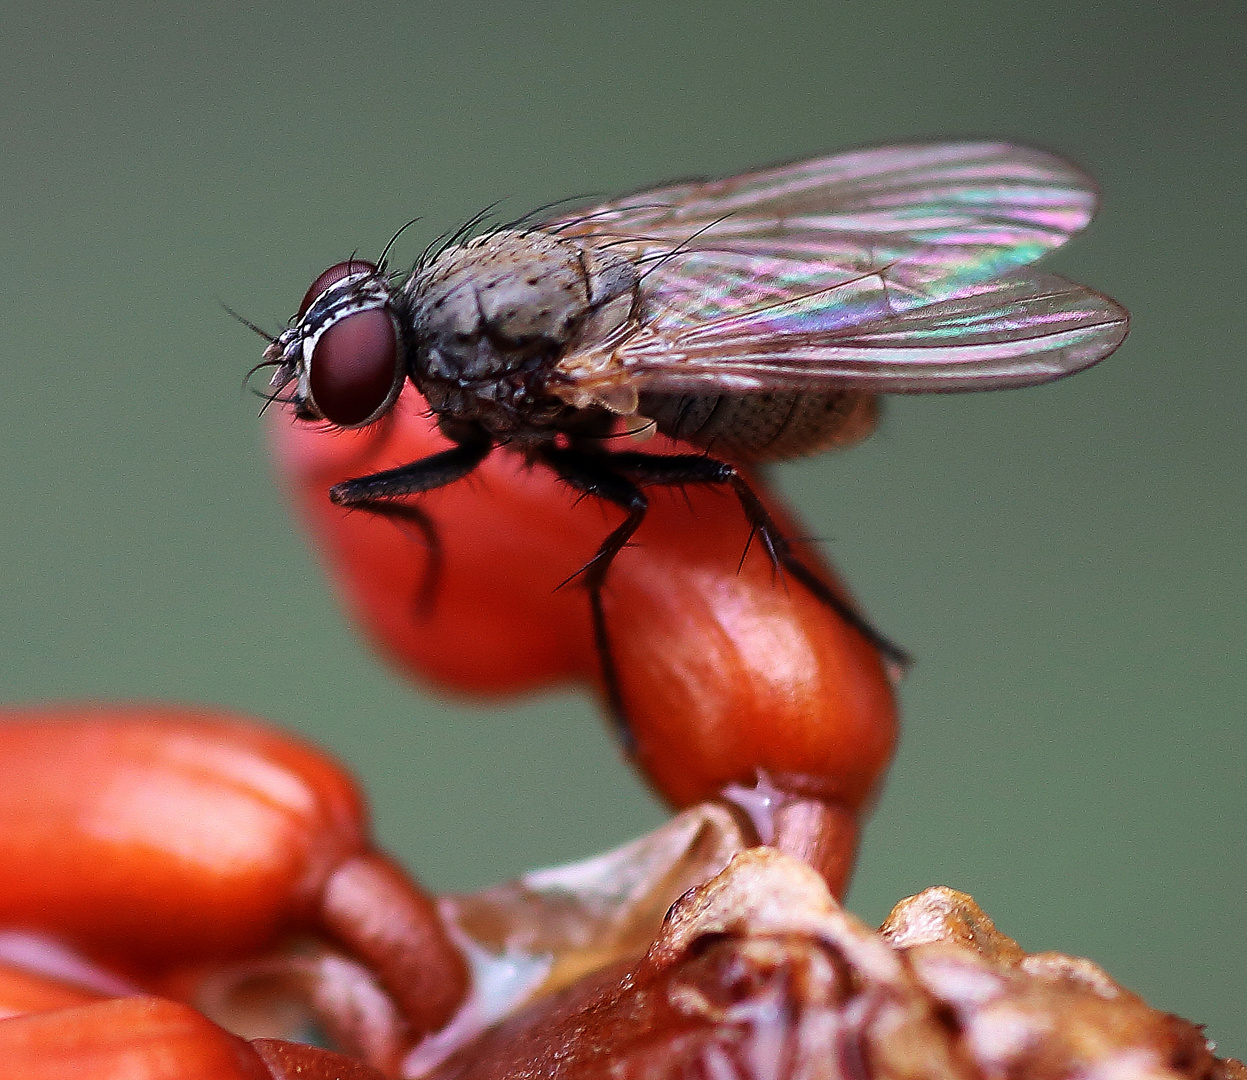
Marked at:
<point>380,492</point>
<point>593,474</point>
<point>678,469</point>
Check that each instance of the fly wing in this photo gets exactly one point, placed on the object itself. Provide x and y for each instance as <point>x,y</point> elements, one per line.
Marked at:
<point>938,216</point>
<point>1011,331</point>
<point>890,269</point>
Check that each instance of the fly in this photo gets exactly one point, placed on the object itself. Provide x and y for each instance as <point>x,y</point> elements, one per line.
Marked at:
<point>757,317</point>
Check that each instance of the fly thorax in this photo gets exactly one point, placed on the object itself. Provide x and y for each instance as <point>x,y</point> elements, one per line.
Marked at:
<point>490,319</point>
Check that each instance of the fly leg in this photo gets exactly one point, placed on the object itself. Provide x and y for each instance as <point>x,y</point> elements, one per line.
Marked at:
<point>659,469</point>
<point>593,474</point>
<point>380,492</point>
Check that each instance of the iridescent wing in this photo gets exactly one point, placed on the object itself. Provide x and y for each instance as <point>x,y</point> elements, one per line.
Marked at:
<point>1012,331</point>
<point>889,269</point>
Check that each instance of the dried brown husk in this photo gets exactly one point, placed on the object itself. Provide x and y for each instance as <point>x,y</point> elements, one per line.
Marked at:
<point>760,975</point>
<point>690,953</point>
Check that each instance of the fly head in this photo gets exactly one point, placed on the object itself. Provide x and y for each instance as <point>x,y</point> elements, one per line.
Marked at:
<point>343,349</point>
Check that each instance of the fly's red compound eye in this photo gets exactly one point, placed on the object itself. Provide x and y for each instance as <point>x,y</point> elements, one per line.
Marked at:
<point>355,368</point>
<point>329,277</point>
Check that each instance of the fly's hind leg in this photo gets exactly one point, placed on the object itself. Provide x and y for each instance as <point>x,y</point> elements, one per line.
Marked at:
<point>380,494</point>
<point>677,469</point>
<point>593,474</point>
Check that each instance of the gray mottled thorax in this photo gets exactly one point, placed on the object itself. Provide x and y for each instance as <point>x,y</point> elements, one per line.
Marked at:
<point>490,318</point>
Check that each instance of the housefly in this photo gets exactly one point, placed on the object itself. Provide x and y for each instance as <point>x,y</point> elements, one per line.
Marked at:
<point>755,317</point>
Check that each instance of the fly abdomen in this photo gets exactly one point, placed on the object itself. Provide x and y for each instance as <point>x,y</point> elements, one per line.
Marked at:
<point>769,426</point>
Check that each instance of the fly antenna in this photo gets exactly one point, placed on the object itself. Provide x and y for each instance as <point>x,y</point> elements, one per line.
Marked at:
<point>247,322</point>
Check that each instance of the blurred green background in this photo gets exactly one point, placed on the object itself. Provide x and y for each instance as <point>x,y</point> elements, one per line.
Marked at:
<point>1067,562</point>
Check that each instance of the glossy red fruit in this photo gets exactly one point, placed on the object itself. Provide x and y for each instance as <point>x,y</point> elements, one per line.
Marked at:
<point>725,669</point>
<point>155,836</point>
<point>135,1038</point>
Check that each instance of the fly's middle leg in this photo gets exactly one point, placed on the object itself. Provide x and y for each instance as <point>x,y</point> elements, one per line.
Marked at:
<point>593,474</point>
